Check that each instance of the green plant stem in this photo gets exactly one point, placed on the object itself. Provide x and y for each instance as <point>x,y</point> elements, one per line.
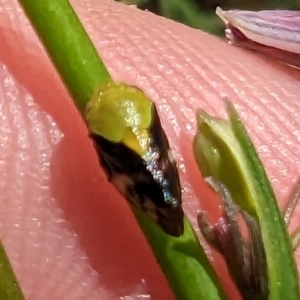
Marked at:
<point>9,288</point>
<point>182,259</point>
<point>68,46</point>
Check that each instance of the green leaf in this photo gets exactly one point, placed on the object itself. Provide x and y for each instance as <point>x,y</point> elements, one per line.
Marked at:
<point>219,154</point>
<point>9,288</point>
<point>224,151</point>
<point>282,268</point>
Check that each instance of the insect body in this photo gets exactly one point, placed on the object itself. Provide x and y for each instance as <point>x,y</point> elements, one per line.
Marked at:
<point>135,154</point>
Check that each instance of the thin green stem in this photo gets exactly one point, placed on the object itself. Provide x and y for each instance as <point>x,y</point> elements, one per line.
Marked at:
<point>68,46</point>
<point>183,261</point>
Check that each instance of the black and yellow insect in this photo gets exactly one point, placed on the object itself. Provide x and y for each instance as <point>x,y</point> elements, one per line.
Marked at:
<point>134,151</point>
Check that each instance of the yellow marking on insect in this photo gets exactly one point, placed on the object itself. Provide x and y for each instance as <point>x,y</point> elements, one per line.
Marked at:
<point>121,113</point>
<point>137,140</point>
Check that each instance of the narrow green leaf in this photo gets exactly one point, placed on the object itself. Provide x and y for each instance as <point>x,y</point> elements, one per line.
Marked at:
<point>282,268</point>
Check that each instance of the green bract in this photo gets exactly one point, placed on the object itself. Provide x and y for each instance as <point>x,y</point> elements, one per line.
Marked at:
<point>220,155</point>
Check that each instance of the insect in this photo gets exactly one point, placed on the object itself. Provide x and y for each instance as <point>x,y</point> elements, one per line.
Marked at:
<point>272,32</point>
<point>134,151</point>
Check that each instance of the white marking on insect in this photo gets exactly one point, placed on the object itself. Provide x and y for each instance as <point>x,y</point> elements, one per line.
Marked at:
<point>122,182</point>
<point>171,156</point>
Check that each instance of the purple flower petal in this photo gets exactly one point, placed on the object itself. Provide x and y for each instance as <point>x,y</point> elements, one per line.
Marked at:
<point>273,32</point>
